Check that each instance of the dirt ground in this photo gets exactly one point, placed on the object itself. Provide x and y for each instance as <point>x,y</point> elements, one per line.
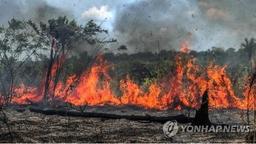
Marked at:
<point>33,127</point>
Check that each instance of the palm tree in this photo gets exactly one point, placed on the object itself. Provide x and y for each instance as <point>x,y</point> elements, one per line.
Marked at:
<point>249,47</point>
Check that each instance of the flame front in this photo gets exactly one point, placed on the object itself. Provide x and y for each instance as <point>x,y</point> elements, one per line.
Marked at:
<point>183,89</point>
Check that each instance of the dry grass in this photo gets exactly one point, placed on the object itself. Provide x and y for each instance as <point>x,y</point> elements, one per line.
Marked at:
<point>33,127</point>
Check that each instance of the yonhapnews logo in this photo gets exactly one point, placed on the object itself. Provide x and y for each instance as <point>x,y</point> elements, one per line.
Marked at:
<point>171,128</point>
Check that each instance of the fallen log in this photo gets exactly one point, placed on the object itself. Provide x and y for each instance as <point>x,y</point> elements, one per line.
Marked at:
<point>158,119</point>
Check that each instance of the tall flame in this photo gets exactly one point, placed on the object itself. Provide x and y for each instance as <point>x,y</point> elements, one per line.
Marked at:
<point>183,89</point>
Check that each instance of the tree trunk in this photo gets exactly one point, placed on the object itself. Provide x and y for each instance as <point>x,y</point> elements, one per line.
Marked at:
<point>202,116</point>
<point>48,74</point>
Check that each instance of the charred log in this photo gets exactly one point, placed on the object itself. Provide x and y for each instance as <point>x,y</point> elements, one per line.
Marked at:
<point>158,119</point>
<point>202,115</point>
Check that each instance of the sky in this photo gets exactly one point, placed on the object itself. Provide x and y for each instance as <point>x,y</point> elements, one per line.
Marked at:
<point>151,25</point>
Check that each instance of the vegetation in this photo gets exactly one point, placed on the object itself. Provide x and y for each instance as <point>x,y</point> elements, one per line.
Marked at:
<point>28,51</point>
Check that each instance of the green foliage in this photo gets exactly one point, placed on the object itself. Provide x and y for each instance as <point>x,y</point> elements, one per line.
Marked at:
<point>25,46</point>
<point>24,43</point>
<point>19,43</point>
<point>16,24</point>
<point>69,33</point>
<point>249,46</point>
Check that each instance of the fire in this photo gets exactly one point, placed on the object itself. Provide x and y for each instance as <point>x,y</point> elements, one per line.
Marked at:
<point>133,94</point>
<point>184,47</point>
<point>24,94</point>
<point>183,89</point>
<point>91,90</point>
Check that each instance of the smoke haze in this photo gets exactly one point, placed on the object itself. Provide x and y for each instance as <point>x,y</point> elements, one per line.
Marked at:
<point>150,25</point>
<point>37,10</point>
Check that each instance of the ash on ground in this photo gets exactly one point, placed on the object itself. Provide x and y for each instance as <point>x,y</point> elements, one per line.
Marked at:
<point>33,127</point>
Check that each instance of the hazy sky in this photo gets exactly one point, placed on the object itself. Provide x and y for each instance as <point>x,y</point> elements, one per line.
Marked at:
<point>146,25</point>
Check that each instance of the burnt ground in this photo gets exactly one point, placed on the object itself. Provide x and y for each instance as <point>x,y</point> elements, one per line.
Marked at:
<point>33,127</point>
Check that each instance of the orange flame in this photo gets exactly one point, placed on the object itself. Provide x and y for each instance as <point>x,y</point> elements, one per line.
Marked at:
<point>184,47</point>
<point>184,88</point>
